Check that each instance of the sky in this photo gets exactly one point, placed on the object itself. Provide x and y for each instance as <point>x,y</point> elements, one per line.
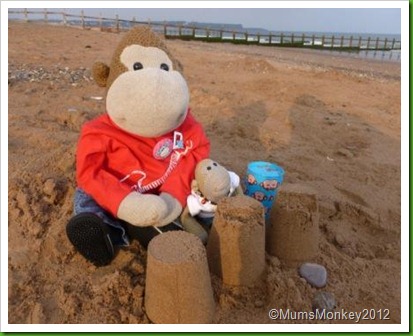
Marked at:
<point>345,20</point>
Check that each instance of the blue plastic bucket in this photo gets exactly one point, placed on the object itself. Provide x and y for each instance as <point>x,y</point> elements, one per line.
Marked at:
<point>262,181</point>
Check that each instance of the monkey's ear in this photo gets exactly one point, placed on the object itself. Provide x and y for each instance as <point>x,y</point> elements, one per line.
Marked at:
<point>100,73</point>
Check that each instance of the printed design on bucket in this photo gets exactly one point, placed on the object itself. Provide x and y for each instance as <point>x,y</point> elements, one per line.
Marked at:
<point>251,179</point>
<point>262,181</point>
<point>269,184</point>
<point>259,196</point>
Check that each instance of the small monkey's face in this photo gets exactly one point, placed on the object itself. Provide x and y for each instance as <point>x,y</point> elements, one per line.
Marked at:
<point>149,98</point>
<point>213,180</point>
<point>269,184</point>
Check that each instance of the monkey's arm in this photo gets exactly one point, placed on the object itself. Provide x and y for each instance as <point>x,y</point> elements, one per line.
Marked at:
<point>187,220</point>
<point>238,191</point>
<point>190,224</point>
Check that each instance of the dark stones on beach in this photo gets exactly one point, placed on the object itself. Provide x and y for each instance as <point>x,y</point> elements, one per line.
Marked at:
<point>55,74</point>
<point>314,274</point>
<point>323,301</point>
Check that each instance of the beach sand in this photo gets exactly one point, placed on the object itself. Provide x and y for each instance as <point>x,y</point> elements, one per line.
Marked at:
<point>333,123</point>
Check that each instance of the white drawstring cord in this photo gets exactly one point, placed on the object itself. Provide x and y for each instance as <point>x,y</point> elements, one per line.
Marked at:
<point>176,156</point>
<point>173,222</point>
<point>157,229</point>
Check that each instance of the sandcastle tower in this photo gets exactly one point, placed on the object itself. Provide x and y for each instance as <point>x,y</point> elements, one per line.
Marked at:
<point>292,234</point>
<point>236,245</point>
<point>178,282</point>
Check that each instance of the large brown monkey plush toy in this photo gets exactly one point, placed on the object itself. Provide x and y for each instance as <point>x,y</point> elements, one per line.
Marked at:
<point>135,163</point>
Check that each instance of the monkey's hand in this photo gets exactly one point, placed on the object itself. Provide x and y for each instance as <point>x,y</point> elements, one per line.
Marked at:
<point>174,208</point>
<point>143,209</point>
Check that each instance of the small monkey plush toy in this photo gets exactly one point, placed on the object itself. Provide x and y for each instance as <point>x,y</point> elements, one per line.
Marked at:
<point>211,184</point>
<point>135,163</point>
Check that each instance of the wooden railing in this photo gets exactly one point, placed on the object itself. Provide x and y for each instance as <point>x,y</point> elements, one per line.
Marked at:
<point>185,32</point>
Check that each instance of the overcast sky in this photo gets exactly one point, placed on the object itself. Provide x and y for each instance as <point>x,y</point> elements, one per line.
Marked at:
<point>351,20</point>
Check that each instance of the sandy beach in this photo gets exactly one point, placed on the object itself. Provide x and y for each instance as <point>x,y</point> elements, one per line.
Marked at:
<point>332,122</point>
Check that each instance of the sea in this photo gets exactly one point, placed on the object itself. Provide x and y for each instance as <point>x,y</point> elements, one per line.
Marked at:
<point>386,47</point>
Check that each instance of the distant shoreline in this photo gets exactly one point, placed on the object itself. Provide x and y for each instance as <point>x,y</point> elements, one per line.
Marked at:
<point>94,22</point>
<point>379,55</point>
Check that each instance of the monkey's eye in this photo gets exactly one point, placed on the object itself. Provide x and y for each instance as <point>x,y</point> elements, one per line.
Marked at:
<point>137,66</point>
<point>209,168</point>
<point>215,164</point>
<point>164,67</point>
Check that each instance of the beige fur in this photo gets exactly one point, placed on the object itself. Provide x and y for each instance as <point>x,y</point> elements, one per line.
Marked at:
<point>142,36</point>
<point>162,101</point>
<point>213,181</point>
<point>100,73</point>
<point>157,96</point>
<point>148,102</point>
<point>150,57</point>
<point>142,210</point>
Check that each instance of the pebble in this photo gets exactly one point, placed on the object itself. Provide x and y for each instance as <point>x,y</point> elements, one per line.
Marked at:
<point>37,314</point>
<point>345,152</point>
<point>49,187</point>
<point>138,291</point>
<point>137,307</point>
<point>329,121</point>
<point>259,304</point>
<point>96,98</point>
<point>290,283</point>
<point>340,240</point>
<point>303,281</point>
<point>323,300</point>
<point>274,261</point>
<point>22,199</point>
<point>316,275</point>
<point>136,267</point>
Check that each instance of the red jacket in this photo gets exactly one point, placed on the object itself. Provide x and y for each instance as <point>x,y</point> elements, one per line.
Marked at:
<point>110,162</point>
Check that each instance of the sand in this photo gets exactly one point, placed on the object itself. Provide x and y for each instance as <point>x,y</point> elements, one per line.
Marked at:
<point>332,123</point>
<point>178,282</point>
<point>293,227</point>
<point>236,244</point>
